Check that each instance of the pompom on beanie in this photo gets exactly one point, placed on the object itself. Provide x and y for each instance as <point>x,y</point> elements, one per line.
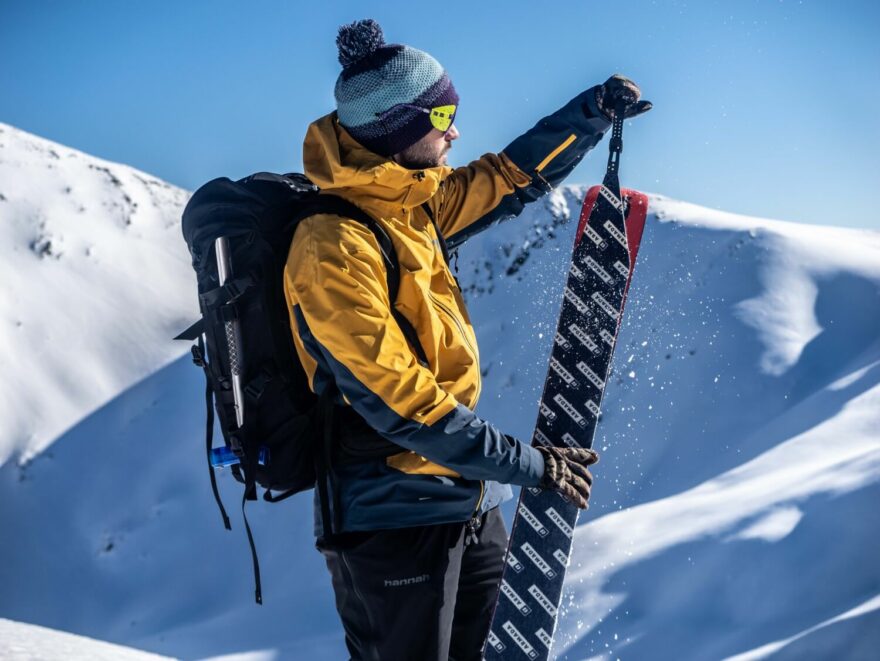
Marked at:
<point>376,78</point>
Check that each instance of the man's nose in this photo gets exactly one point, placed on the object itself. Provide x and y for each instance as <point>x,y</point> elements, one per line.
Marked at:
<point>452,133</point>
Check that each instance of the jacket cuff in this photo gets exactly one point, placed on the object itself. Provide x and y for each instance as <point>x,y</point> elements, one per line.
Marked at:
<point>591,109</point>
<point>551,149</point>
<point>583,113</point>
<point>533,466</point>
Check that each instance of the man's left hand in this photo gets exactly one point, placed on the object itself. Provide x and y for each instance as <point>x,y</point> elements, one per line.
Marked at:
<point>565,471</point>
<point>620,88</point>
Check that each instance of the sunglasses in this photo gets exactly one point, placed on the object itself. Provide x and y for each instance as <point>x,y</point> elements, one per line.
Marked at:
<point>441,116</point>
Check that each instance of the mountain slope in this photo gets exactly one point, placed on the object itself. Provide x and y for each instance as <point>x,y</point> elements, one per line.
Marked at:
<point>733,506</point>
<point>741,450</point>
<point>93,266</point>
<point>26,642</point>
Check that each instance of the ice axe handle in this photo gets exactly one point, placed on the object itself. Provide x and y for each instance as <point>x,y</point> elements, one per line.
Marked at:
<point>233,333</point>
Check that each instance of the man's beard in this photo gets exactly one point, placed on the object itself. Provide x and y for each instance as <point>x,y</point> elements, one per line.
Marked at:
<point>419,157</point>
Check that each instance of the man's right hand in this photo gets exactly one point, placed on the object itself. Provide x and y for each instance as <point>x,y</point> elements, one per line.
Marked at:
<point>620,88</point>
<point>565,471</point>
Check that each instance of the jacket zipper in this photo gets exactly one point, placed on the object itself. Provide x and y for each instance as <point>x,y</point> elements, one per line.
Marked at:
<point>464,337</point>
<point>480,499</point>
<point>455,320</point>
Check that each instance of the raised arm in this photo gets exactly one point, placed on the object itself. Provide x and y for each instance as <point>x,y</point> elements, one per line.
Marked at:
<point>498,186</point>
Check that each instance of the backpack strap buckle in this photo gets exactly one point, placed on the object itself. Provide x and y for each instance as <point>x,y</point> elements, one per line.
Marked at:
<point>256,386</point>
<point>229,292</point>
<point>198,356</point>
<point>235,288</point>
<point>228,313</point>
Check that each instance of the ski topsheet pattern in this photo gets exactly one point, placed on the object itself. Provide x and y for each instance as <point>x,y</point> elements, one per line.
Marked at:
<point>605,248</point>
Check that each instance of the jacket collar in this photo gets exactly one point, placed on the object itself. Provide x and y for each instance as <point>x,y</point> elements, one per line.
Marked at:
<point>337,163</point>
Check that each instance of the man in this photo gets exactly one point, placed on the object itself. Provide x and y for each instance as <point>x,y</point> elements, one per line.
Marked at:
<point>417,542</point>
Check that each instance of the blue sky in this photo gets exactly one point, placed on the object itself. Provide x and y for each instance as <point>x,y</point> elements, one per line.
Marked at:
<point>763,107</point>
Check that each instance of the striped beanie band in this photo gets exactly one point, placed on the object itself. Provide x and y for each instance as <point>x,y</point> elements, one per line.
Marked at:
<point>376,79</point>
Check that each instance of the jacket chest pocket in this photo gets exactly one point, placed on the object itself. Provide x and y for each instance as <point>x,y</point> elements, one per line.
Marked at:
<point>458,325</point>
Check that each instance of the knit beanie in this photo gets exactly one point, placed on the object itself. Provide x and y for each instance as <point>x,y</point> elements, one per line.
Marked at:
<point>376,78</point>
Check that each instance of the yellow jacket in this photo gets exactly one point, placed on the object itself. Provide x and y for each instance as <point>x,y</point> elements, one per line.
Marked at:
<point>345,335</point>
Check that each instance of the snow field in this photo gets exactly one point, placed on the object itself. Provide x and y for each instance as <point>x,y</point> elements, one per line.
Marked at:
<point>734,507</point>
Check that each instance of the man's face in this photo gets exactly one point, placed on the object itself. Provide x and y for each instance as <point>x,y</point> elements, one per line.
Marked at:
<point>429,152</point>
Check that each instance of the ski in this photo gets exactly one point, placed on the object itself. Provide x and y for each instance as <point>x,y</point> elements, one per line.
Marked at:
<point>604,254</point>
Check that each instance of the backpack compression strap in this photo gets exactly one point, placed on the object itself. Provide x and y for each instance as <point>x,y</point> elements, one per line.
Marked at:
<point>198,354</point>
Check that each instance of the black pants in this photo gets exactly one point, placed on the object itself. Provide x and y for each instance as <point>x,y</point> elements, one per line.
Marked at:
<point>417,593</point>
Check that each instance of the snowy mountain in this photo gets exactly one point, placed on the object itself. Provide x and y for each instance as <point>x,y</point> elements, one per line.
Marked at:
<point>94,282</point>
<point>27,642</point>
<point>733,513</point>
<point>740,442</point>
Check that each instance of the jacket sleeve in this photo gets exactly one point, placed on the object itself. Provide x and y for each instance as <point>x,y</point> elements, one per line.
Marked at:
<point>497,187</point>
<point>345,335</point>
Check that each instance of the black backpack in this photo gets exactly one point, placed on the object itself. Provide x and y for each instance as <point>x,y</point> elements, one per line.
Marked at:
<point>276,431</point>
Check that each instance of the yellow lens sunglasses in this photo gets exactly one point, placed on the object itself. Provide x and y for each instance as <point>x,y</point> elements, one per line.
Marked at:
<point>441,117</point>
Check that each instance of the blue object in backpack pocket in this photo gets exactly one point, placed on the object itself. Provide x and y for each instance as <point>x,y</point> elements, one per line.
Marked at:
<point>223,457</point>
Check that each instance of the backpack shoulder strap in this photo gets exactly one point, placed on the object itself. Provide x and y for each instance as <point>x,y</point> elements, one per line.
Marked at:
<point>333,204</point>
<point>448,255</point>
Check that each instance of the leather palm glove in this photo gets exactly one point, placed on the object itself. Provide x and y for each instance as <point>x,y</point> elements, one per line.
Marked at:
<point>620,88</point>
<point>565,471</point>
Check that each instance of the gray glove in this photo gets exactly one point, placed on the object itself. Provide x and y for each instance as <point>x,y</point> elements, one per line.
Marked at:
<point>620,88</point>
<point>565,471</point>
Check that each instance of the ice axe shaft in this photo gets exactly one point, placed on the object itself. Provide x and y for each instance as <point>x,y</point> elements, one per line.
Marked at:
<point>233,332</point>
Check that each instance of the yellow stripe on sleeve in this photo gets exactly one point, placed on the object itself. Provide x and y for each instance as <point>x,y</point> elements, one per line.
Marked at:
<point>553,154</point>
